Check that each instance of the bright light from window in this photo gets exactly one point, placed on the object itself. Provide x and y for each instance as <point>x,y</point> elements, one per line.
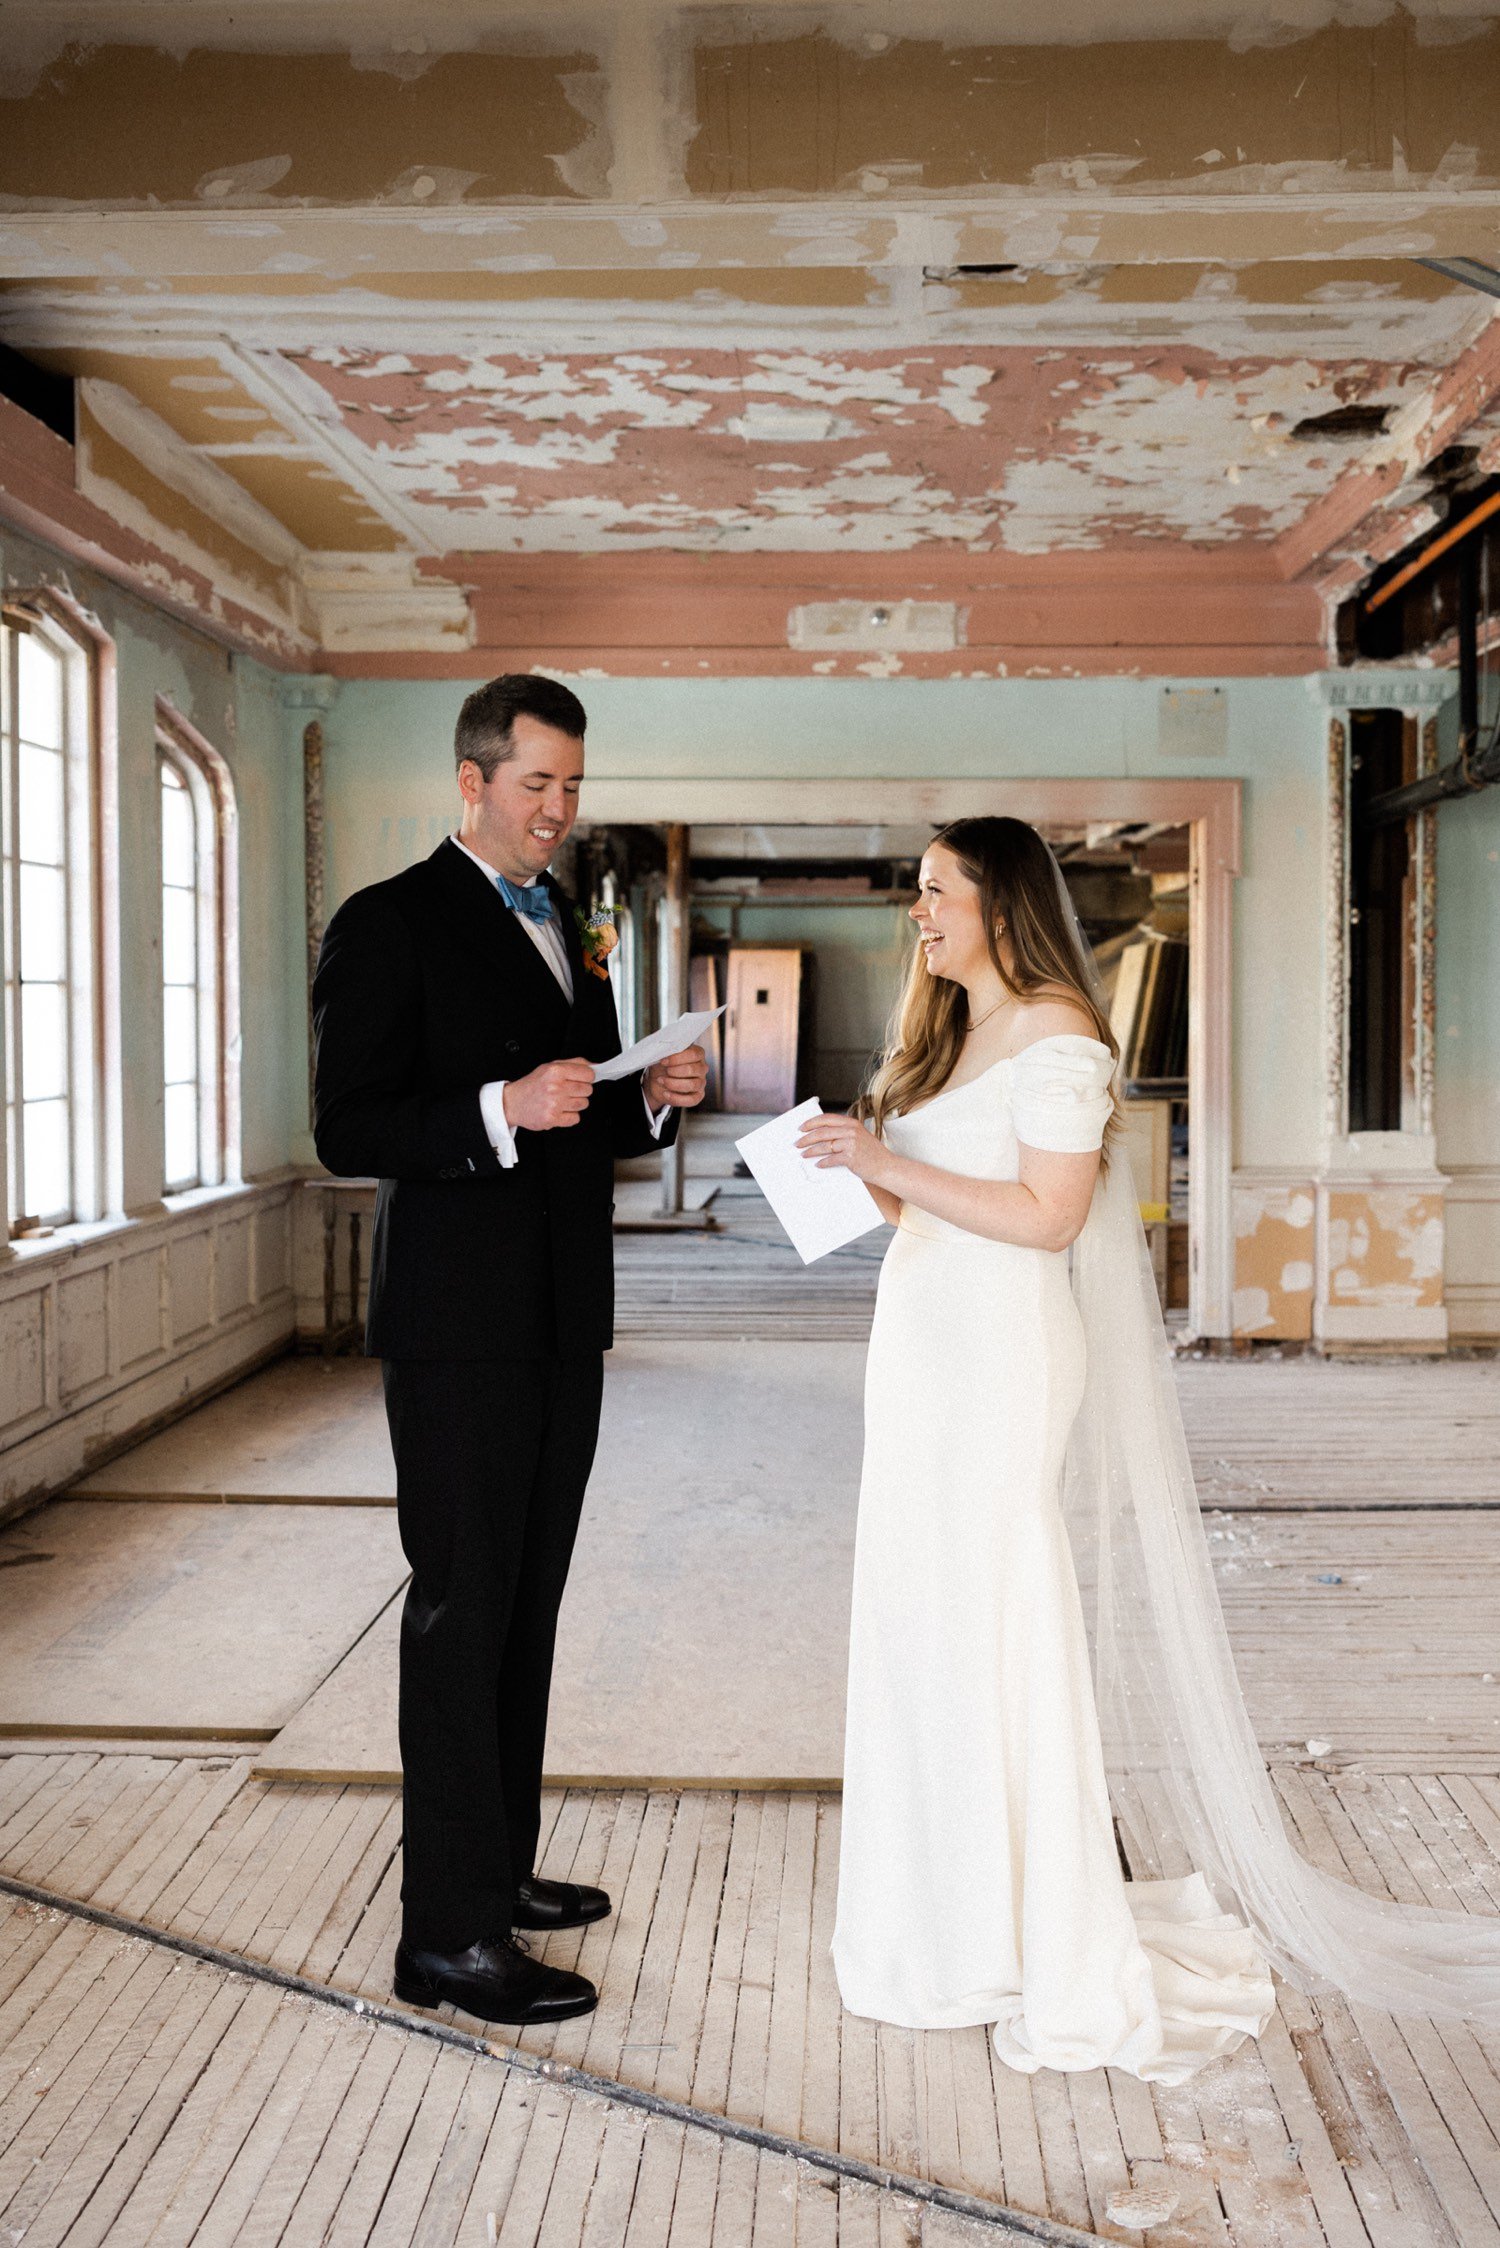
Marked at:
<point>181,903</point>
<point>37,1017</point>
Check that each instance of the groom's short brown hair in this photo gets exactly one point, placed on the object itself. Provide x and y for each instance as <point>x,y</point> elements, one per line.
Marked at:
<point>483,733</point>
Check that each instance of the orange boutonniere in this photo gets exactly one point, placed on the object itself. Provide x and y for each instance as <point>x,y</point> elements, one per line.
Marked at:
<point>598,936</point>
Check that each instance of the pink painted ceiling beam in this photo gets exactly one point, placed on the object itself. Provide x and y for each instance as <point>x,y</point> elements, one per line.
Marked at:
<point>648,613</point>
<point>38,496</point>
<point>1355,526</point>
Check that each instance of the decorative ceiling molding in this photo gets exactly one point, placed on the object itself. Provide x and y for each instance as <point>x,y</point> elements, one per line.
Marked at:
<point>312,415</point>
<point>1332,219</point>
<point>186,469</point>
<point>757,287</point>
<point>1051,310</point>
<point>377,605</point>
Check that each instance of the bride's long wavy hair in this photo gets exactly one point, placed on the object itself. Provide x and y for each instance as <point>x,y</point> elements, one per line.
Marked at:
<point>1013,871</point>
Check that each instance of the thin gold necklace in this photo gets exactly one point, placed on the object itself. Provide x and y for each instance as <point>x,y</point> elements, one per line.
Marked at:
<point>999,1003</point>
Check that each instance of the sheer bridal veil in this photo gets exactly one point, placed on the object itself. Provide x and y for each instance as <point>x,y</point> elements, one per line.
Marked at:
<point>1190,1786</point>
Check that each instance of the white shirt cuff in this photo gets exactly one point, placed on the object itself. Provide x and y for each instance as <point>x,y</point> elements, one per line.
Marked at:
<point>496,1124</point>
<point>656,1116</point>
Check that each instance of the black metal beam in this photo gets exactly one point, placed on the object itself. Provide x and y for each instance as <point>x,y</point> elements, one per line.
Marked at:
<point>1476,765</point>
<point>1467,773</point>
<point>1468,647</point>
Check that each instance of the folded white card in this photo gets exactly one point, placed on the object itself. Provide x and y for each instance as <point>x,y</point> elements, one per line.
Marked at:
<point>820,1210</point>
<point>672,1038</point>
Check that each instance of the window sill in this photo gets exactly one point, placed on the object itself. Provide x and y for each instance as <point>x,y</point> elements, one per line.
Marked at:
<point>67,1241</point>
<point>202,1197</point>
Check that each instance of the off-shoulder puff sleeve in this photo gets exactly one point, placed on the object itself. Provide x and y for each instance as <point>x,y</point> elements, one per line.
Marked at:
<point>1060,1097</point>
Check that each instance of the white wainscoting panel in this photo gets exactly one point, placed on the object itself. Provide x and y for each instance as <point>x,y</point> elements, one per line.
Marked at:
<point>107,1329</point>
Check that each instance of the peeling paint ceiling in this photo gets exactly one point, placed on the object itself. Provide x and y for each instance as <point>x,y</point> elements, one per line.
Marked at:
<point>352,300</point>
<point>865,451</point>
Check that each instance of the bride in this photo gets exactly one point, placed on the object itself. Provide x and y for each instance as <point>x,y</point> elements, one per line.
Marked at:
<point>1022,1440</point>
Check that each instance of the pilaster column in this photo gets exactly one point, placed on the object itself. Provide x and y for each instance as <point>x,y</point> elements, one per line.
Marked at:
<point>310,699</point>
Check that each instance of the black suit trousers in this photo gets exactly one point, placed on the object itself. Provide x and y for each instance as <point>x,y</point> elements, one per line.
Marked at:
<point>492,1460</point>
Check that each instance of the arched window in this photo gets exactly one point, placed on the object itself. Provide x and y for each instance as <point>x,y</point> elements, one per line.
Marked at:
<point>52,1087</point>
<point>199,996</point>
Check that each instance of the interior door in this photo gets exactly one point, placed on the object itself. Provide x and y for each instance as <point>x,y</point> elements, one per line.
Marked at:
<point>760,1040</point>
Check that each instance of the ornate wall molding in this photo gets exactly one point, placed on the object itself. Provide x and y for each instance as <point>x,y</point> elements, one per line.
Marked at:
<point>314,863</point>
<point>1336,934</point>
<point>1424,869</point>
<point>1395,689</point>
<point>314,695</point>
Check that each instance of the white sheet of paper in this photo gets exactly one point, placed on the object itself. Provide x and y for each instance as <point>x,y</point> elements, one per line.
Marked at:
<point>820,1210</point>
<point>672,1038</point>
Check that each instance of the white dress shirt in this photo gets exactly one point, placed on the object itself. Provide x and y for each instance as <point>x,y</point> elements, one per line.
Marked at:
<point>550,942</point>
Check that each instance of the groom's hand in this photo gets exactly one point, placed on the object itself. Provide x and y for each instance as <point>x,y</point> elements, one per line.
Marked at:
<point>551,1098</point>
<point>679,1082</point>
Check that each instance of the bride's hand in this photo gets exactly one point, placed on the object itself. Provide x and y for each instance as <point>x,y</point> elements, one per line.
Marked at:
<point>842,1143</point>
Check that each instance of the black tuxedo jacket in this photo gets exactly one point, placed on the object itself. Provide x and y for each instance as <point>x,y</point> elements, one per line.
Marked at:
<point>427,988</point>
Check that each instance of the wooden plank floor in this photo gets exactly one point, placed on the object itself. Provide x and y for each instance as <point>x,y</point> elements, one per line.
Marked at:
<point>743,1280</point>
<point>1306,1432</point>
<point>717,1991</point>
<point>1268,1434</point>
<point>148,2098</point>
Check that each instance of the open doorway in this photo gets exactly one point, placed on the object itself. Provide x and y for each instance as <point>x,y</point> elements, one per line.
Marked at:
<point>801,931</point>
<point>1208,811</point>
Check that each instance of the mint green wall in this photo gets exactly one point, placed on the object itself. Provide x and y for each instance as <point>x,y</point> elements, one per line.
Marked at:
<point>235,704</point>
<point>391,797</point>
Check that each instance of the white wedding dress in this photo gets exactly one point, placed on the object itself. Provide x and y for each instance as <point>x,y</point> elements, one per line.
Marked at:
<point>979,1879</point>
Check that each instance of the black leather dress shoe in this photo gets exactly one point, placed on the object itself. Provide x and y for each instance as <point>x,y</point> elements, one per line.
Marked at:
<point>558,1904</point>
<point>498,1980</point>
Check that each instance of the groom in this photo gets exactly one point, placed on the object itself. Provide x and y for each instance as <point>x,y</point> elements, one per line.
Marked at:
<point>457,1013</point>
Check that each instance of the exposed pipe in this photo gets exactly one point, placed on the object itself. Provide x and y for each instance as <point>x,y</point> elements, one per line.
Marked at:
<point>1474,767</point>
<point>1430,554</point>
<point>1467,773</point>
<point>1468,649</point>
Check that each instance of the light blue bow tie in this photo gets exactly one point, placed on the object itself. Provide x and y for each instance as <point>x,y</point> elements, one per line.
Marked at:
<point>535,901</point>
